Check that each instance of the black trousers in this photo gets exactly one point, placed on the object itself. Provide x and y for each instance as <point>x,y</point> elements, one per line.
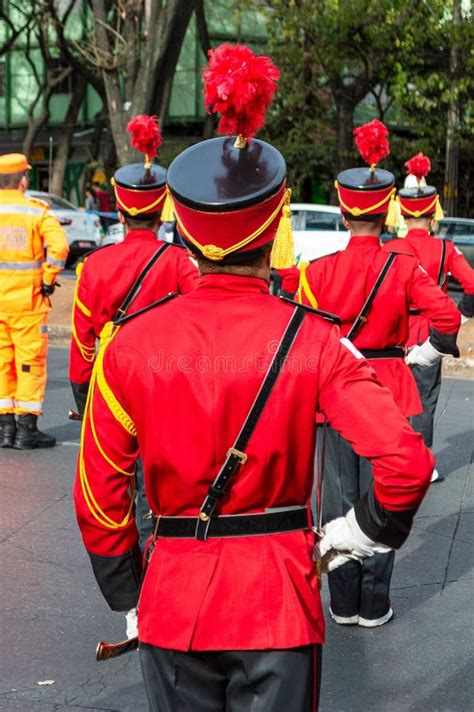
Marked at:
<point>232,681</point>
<point>144,526</point>
<point>428,381</point>
<point>355,588</point>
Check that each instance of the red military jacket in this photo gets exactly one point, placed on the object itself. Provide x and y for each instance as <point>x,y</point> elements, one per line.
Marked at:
<point>341,282</point>
<point>177,383</point>
<point>428,251</point>
<point>104,282</point>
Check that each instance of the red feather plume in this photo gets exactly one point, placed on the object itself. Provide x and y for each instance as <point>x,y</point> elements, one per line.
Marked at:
<point>240,86</point>
<point>145,134</point>
<point>418,166</point>
<point>372,141</point>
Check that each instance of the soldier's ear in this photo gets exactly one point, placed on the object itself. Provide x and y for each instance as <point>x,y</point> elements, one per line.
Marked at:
<point>23,183</point>
<point>121,217</point>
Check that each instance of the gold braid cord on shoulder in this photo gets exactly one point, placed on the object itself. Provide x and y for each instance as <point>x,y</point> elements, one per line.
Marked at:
<point>305,289</point>
<point>98,379</point>
<point>87,352</point>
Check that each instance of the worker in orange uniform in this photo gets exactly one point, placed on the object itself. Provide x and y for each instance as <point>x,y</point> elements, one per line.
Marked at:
<point>33,250</point>
<point>420,209</point>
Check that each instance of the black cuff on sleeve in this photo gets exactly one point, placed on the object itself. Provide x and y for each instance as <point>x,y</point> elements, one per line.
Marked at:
<point>444,343</point>
<point>119,578</point>
<point>381,525</point>
<point>79,391</point>
<point>466,305</point>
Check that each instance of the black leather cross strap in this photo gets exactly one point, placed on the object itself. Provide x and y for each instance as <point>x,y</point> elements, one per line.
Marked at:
<point>441,275</point>
<point>288,519</point>
<point>359,322</point>
<point>128,317</point>
<point>395,352</point>
<point>236,454</point>
<point>135,288</point>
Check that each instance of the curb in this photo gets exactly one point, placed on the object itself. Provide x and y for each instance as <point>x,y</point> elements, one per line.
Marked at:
<point>59,335</point>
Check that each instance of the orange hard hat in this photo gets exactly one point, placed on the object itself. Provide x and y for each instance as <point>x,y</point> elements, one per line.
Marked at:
<point>13,163</point>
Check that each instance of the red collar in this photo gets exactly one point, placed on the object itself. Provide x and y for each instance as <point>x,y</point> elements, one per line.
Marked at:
<point>231,284</point>
<point>417,232</point>
<point>357,241</point>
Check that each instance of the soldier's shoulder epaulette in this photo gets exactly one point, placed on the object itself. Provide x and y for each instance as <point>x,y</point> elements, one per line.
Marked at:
<point>321,257</point>
<point>133,315</point>
<point>38,202</point>
<point>327,316</point>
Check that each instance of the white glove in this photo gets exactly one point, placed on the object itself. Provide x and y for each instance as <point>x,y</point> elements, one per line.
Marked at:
<point>132,623</point>
<point>424,355</point>
<point>464,319</point>
<point>343,540</point>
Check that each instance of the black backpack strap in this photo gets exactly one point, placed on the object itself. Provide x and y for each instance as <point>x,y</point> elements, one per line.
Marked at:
<point>135,288</point>
<point>236,455</point>
<point>359,322</point>
<point>441,275</point>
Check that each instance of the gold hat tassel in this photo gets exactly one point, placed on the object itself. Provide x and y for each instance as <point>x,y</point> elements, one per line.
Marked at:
<point>439,213</point>
<point>283,251</point>
<point>167,211</point>
<point>393,213</point>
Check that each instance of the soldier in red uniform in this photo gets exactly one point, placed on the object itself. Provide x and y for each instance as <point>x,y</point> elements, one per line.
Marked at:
<point>140,263</point>
<point>377,324</point>
<point>230,613</point>
<point>130,275</point>
<point>420,209</point>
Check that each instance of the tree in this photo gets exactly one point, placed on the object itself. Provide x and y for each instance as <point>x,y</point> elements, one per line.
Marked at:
<point>351,46</point>
<point>134,46</point>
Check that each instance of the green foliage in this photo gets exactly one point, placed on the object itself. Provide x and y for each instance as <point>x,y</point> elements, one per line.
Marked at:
<point>393,55</point>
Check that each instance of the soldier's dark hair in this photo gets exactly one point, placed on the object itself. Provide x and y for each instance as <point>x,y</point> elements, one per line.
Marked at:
<point>369,223</point>
<point>147,222</point>
<point>11,180</point>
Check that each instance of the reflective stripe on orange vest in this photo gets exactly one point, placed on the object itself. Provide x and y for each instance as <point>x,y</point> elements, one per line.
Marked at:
<point>21,265</point>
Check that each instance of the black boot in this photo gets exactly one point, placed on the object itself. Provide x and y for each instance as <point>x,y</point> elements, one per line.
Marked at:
<point>28,436</point>
<point>7,429</point>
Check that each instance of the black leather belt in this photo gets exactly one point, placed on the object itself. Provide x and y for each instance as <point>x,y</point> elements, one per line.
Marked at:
<point>414,312</point>
<point>274,522</point>
<point>396,352</point>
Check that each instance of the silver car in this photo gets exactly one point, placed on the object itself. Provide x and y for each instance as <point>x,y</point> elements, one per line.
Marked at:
<point>317,230</point>
<point>83,229</point>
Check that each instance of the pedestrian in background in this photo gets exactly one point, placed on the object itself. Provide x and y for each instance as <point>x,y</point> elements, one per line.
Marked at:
<point>33,250</point>
<point>91,202</point>
<point>104,204</point>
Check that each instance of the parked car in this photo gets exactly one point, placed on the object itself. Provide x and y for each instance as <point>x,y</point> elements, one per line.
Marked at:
<point>461,232</point>
<point>317,230</point>
<point>83,229</point>
<point>113,234</point>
